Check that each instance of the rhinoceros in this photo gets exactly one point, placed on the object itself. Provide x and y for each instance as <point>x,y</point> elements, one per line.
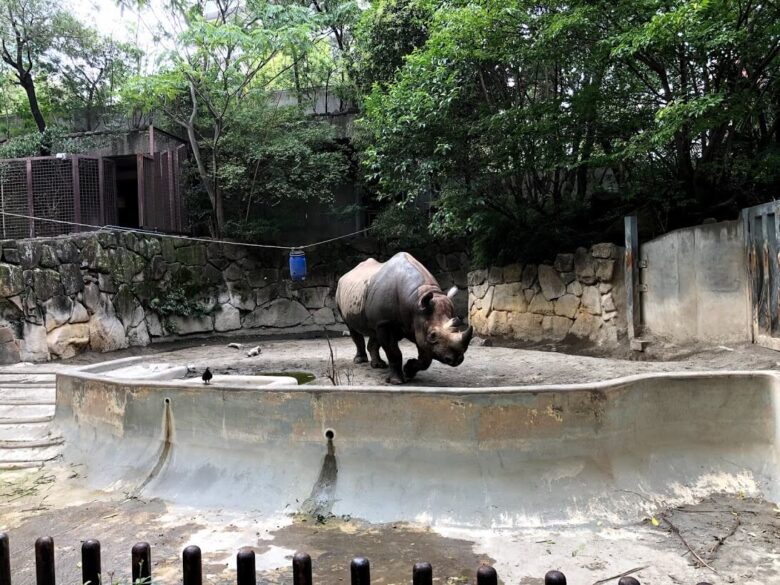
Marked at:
<point>400,299</point>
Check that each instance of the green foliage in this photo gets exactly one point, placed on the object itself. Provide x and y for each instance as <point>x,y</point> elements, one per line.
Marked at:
<point>176,301</point>
<point>55,138</point>
<point>402,227</point>
<point>529,125</point>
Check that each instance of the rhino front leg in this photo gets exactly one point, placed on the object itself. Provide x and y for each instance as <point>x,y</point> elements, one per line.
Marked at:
<point>360,344</point>
<point>390,344</point>
<point>373,351</point>
<point>416,365</point>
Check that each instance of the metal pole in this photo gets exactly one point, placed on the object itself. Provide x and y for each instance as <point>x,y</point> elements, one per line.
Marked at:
<point>5,560</point>
<point>360,571</point>
<point>141,556</point>
<point>487,575</point>
<point>302,569</point>
<point>76,192</point>
<point>245,567</point>
<point>632,281</point>
<point>102,191</point>
<point>30,201</point>
<point>90,563</point>
<point>44,561</point>
<point>554,578</point>
<point>191,566</point>
<point>422,574</point>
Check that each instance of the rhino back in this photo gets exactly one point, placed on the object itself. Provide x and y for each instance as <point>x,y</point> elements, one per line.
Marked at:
<point>352,287</point>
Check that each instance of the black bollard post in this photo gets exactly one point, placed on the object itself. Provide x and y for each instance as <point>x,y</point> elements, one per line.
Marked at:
<point>44,561</point>
<point>245,567</point>
<point>360,570</point>
<point>628,581</point>
<point>302,569</point>
<point>90,562</point>
<point>191,568</point>
<point>141,559</point>
<point>554,578</point>
<point>422,574</point>
<point>486,575</point>
<point>5,560</point>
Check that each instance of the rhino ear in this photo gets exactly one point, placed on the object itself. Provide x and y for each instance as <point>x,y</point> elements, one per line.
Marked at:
<point>452,292</point>
<point>426,302</point>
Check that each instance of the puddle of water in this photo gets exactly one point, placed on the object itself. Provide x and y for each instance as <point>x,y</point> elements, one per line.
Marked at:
<point>302,377</point>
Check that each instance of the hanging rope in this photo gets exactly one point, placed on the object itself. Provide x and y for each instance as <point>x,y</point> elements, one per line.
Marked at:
<point>178,237</point>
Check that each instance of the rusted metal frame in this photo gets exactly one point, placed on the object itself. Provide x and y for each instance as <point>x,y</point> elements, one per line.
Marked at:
<point>101,191</point>
<point>171,194</point>
<point>175,189</point>
<point>76,192</point>
<point>633,303</point>
<point>141,179</point>
<point>30,199</point>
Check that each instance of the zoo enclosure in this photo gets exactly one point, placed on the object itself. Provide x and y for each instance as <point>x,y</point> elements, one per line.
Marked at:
<point>63,191</point>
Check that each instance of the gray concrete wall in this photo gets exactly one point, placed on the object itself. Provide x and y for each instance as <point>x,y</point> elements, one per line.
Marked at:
<point>516,456</point>
<point>697,285</point>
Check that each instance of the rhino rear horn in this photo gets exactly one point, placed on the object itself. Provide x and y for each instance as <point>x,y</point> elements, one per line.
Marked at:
<point>452,292</point>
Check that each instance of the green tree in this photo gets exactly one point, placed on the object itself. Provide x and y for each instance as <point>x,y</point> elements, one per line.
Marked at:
<point>530,125</point>
<point>88,68</point>
<point>222,57</point>
<point>26,34</point>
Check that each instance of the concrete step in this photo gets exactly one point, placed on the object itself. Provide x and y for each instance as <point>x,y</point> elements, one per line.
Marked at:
<point>26,420</point>
<point>35,431</point>
<point>22,454</point>
<point>21,412</point>
<point>22,378</point>
<point>20,465</point>
<point>31,444</point>
<point>31,395</point>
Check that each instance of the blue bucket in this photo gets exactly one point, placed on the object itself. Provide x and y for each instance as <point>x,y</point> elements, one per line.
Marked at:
<point>298,265</point>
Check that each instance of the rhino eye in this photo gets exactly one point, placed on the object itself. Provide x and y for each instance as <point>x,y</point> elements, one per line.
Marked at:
<point>433,337</point>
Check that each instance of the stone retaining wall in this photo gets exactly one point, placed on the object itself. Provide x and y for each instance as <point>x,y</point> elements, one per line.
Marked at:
<point>580,296</point>
<point>105,291</point>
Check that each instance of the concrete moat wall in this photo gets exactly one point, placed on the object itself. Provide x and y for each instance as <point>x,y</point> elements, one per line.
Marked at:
<point>105,291</point>
<point>580,295</point>
<point>514,456</point>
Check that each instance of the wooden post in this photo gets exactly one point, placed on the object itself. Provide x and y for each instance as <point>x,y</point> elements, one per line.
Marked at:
<point>76,192</point>
<point>102,191</point>
<point>30,200</point>
<point>151,139</point>
<point>632,283</point>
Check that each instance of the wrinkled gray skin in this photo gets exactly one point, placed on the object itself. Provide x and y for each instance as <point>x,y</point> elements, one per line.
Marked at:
<point>395,300</point>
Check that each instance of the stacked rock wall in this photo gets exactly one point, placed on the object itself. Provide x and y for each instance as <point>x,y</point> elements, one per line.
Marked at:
<point>105,291</point>
<point>580,296</point>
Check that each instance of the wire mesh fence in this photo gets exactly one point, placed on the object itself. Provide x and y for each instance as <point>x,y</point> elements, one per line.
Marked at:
<point>13,199</point>
<point>83,190</point>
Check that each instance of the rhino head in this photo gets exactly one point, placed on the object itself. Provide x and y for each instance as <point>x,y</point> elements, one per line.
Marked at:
<point>438,332</point>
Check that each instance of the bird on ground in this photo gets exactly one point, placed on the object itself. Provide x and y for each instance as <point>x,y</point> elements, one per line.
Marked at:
<point>206,376</point>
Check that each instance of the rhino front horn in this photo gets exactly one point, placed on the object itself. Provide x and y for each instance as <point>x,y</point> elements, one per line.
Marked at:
<point>467,335</point>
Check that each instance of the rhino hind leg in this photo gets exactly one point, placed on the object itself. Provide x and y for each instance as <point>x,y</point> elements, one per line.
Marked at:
<point>360,344</point>
<point>373,351</point>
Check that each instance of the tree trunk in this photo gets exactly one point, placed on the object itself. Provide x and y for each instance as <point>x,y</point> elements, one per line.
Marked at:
<point>29,88</point>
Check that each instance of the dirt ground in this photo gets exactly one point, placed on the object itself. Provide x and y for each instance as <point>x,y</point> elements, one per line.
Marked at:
<point>724,539</point>
<point>484,365</point>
